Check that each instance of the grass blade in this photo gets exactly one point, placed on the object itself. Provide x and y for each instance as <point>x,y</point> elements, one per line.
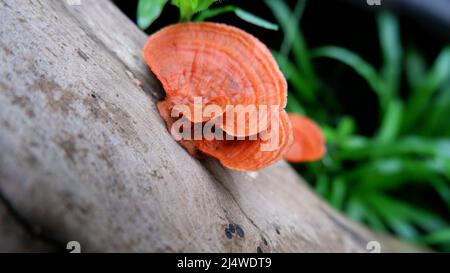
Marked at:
<point>209,13</point>
<point>295,77</point>
<point>338,192</point>
<point>389,35</point>
<point>323,185</point>
<point>301,53</point>
<point>286,45</point>
<point>253,19</point>
<point>443,190</point>
<point>439,237</point>
<point>391,123</point>
<point>421,96</point>
<point>201,5</point>
<point>242,14</point>
<point>354,61</point>
<point>358,148</point>
<point>393,173</point>
<point>401,214</point>
<point>415,66</point>
<point>359,211</point>
<point>438,113</point>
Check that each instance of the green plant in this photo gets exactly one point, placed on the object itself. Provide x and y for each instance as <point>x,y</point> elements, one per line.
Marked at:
<point>149,10</point>
<point>362,175</point>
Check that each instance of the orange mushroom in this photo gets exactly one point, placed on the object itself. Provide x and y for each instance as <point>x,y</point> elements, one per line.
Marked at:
<point>249,155</point>
<point>309,142</point>
<point>224,66</point>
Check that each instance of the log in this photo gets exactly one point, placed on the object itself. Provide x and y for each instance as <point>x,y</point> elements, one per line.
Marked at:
<point>85,156</point>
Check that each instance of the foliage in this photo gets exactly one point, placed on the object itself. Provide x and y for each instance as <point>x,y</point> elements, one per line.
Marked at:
<point>149,10</point>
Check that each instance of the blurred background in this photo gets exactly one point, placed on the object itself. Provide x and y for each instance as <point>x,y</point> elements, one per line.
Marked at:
<point>377,80</point>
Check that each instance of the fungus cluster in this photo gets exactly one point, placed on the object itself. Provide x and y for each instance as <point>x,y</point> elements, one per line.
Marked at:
<point>309,142</point>
<point>215,66</point>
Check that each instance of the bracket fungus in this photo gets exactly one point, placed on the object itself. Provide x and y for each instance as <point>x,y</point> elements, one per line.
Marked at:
<point>309,142</point>
<point>221,68</point>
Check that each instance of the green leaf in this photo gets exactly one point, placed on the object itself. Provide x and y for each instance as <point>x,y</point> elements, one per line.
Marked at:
<point>421,96</point>
<point>190,7</point>
<point>186,9</point>
<point>436,238</point>
<point>392,53</point>
<point>359,211</point>
<point>201,5</point>
<point>253,19</point>
<point>346,127</point>
<point>440,71</point>
<point>148,11</point>
<point>358,148</point>
<point>322,186</point>
<point>391,123</point>
<point>443,190</point>
<point>330,135</point>
<point>415,68</point>
<point>355,210</point>
<point>394,173</point>
<point>402,228</point>
<point>242,14</point>
<point>299,48</point>
<point>295,77</point>
<point>393,218</point>
<point>353,60</point>
<point>353,146</point>
<point>209,13</point>
<point>286,45</point>
<point>401,214</point>
<point>374,220</point>
<point>438,113</point>
<point>338,192</point>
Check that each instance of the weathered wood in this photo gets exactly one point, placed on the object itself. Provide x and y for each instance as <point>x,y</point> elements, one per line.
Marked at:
<point>85,156</point>
<point>17,236</point>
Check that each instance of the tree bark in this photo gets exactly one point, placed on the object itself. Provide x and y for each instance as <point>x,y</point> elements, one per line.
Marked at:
<point>85,156</point>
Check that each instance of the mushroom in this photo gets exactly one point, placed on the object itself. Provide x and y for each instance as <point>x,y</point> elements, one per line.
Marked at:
<point>250,155</point>
<point>309,142</point>
<point>225,67</point>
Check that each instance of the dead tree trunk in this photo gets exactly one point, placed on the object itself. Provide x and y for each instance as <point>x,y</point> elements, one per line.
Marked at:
<point>85,156</point>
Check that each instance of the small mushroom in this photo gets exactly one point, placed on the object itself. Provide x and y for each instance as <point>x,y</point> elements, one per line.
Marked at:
<point>309,142</point>
<point>224,66</point>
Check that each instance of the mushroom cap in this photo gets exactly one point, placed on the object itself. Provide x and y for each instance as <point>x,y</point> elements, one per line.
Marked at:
<point>211,64</point>
<point>309,142</point>
<point>251,155</point>
<point>219,63</point>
